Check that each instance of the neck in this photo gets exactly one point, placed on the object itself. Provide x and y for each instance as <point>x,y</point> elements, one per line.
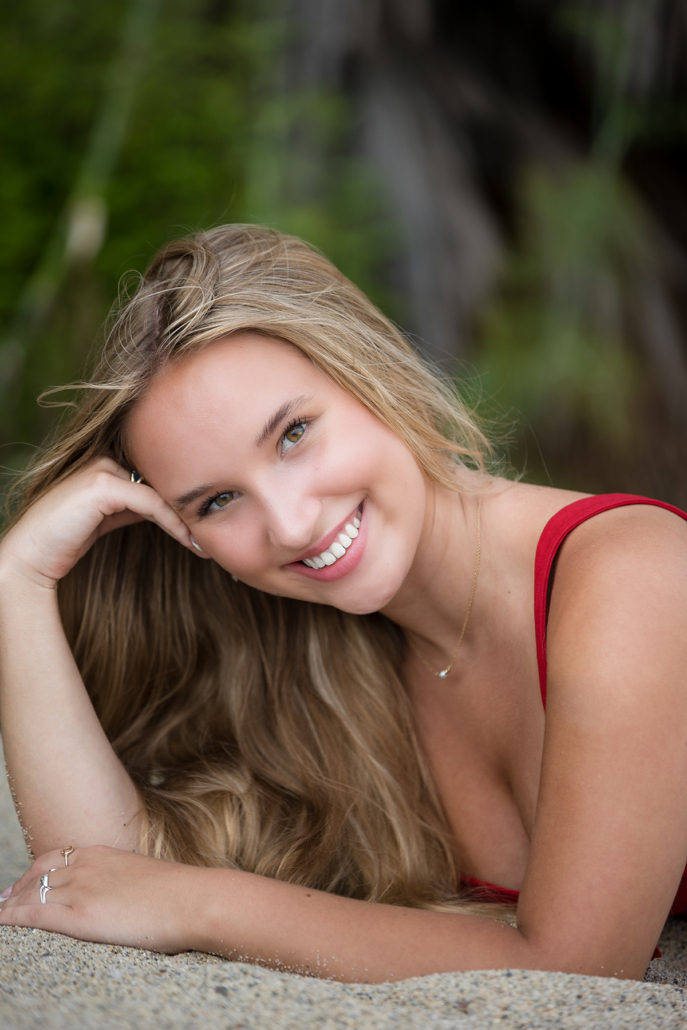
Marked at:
<point>434,598</point>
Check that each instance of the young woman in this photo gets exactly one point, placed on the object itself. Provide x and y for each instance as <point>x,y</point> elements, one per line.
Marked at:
<point>287,677</point>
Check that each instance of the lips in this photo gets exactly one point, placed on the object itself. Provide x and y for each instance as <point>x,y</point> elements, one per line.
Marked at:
<point>334,555</point>
<point>334,544</point>
<point>337,548</point>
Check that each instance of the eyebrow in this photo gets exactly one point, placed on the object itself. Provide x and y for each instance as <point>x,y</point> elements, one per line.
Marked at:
<point>279,416</point>
<point>192,495</point>
<point>267,430</point>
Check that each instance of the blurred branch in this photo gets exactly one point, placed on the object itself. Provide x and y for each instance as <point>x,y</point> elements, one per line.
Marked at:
<point>617,34</point>
<point>80,231</point>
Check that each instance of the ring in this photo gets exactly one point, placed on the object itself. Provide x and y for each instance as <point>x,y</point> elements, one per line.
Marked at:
<point>136,477</point>
<point>67,852</point>
<point>44,888</point>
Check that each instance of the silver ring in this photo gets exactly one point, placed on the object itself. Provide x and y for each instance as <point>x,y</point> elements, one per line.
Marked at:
<point>136,477</point>
<point>44,888</point>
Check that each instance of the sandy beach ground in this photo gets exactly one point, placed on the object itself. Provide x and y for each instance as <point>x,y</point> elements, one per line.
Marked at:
<point>50,981</point>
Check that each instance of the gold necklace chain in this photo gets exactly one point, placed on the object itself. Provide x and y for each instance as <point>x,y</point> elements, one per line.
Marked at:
<point>443,673</point>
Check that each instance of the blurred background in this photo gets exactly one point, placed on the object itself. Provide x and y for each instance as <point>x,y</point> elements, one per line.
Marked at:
<point>506,178</point>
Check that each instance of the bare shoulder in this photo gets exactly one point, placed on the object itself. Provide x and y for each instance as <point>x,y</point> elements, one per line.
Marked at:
<point>631,531</point>
<point>519,512</point>
<point>618,609</point>
<point>530,501</point>
<point>635,540</point>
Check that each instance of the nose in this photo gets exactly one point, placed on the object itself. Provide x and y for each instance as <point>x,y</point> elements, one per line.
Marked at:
<point>291,520</point>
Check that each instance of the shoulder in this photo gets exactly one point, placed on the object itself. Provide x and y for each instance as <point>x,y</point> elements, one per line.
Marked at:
<point>518,513</point>
<point>626,544</point>
<point>619,602</point>
<point>620,533</point>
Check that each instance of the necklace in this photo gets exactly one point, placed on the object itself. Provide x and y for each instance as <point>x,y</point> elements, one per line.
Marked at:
<point>443,673</point>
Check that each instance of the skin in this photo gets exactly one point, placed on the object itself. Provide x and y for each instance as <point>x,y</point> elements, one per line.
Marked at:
<point>582,809</point>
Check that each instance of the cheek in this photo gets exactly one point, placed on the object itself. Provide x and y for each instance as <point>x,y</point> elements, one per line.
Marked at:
<point>387,472</point>
<point>395,472</point>
<point>370,455</point>
<point>238,546</point>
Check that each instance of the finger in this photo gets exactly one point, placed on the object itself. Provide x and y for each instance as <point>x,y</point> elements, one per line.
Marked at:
<point>108,463</point>
<point>24,881</point>
<point>43,864</point>
<point>146,502</point>
<point>52,859</point>
<point>103,464</point>
<point>25,891</point>
<point>54,918</point>
<point>122,518</point>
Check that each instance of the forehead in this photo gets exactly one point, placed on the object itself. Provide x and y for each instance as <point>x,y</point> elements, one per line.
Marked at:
<point>235,382</point>
<point>230,360</point>
<point>233,373</point>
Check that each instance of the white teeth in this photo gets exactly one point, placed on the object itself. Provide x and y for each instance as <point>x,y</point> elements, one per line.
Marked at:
<point>337,549</point>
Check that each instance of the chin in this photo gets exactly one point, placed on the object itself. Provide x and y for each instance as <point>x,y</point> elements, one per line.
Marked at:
<point>367,600</point>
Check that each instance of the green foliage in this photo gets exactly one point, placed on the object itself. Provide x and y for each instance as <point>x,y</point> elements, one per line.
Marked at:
<point>302,180</point>
<point>51,63</point>
<point>553,346</point>
<point>621,118</point>
<point>211,138</point>
<point>561,346</point>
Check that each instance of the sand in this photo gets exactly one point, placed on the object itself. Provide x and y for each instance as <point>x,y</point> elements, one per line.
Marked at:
<point>50,981</point>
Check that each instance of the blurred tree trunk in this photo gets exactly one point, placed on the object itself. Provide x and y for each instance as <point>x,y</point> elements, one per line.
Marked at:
<point>457,105</point>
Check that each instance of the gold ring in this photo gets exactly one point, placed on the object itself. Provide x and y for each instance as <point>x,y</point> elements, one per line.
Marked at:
<point>67,852</point>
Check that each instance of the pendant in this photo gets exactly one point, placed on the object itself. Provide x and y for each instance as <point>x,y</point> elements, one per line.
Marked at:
<point>442,674</point>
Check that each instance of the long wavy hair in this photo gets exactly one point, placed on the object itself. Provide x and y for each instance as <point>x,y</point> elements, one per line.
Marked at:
<point>263,733</point>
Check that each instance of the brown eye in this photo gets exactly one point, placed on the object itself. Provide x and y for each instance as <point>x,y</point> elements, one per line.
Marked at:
<point>293,435</point>
<point>218,502</point>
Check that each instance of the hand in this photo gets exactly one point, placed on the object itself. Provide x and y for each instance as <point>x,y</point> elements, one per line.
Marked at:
<point>109,896</point>
<point>62,525</point>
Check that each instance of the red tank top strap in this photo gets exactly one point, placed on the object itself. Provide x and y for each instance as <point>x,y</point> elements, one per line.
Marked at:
<point>555,532</point>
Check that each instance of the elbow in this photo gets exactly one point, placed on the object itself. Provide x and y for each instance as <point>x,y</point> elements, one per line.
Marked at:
<point>559,955</point>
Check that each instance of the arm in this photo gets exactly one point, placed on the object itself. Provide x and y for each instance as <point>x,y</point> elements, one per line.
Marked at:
<point>69,786</point>
<point>610,839</point>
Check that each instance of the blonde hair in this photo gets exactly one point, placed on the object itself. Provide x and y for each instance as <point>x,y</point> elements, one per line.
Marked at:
<point>263,733</point>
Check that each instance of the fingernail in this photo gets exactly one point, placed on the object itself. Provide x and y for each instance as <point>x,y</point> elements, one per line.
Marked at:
<point>6,893</point>
<point>194,543</point>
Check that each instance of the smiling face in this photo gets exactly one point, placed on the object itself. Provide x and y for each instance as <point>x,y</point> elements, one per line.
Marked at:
<point>268,462</point>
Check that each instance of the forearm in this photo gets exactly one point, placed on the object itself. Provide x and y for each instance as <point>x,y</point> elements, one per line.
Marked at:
<point>69,785</point>
<point>256,919</point>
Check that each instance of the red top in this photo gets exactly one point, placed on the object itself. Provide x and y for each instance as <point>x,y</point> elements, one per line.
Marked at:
<point>555,532</point>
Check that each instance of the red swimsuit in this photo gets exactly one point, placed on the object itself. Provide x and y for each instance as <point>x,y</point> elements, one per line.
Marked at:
<point>555,532</point>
